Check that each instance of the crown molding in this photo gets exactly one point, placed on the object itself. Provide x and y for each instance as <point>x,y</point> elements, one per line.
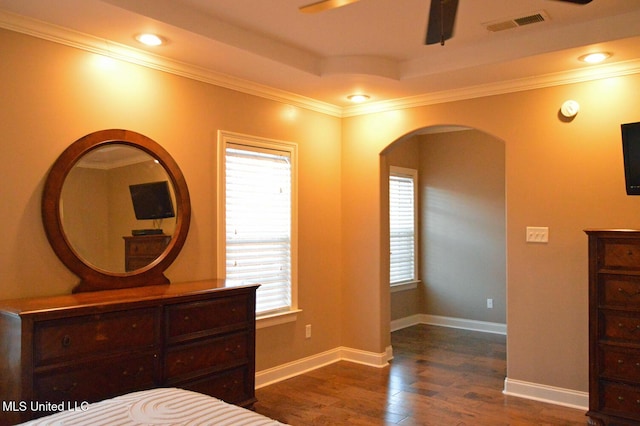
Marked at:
<point>118,51</point>
<point>618,69</point>
<point>122,52</point>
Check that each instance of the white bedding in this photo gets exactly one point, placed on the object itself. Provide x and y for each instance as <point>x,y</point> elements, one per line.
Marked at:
<point>162,406</point>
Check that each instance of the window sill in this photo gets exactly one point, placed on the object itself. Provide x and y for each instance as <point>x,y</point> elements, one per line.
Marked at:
<point>404,286</point>
<point>270,320</point>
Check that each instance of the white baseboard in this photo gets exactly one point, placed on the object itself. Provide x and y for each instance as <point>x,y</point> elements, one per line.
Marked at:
<point>466,324</point>
<point>518,388</point>
<point>371,359</point>
<point>553,395</point>
<point>294,368</point>
<point>301,366</point>
<point>405,322</point>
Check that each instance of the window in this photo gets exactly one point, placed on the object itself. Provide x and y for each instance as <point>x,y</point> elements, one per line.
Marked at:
<point>402,225</point>
<point>259,222</point>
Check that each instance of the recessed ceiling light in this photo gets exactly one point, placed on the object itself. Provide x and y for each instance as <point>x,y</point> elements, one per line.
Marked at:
<point>150,39</point>
<point>594,58</point>
<point>358,98</point>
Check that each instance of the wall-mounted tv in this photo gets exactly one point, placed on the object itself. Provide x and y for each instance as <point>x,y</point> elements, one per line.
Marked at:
<point>631,154</point>
<point>152,200</point>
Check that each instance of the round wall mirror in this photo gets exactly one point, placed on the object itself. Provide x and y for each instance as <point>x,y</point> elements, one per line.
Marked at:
<point>116,210</point>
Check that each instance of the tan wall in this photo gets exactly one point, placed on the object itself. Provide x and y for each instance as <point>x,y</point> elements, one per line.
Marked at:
<point>462,225</point>
<point>84,211</point>
<point>462,233</point>
<point>567,176</point>
<point>564,175</point>
<point>53,95</point>
<point>405,153</point>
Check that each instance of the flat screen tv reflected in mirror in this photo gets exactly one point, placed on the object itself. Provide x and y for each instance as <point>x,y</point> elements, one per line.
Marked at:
<point>152,200</point>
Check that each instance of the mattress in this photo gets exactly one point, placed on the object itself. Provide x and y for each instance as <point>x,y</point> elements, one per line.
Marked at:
<point>162,406</point>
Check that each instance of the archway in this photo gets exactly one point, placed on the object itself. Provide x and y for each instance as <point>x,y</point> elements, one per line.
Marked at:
<point>461,229</point>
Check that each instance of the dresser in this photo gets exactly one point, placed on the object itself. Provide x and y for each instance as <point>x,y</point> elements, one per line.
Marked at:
<point>141,250</point>
<point>91,346</point>
<point>614,327</point>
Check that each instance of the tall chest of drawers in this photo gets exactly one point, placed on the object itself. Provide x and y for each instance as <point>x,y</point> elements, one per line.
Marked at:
<point>91,346</point>
<point>614,327</point>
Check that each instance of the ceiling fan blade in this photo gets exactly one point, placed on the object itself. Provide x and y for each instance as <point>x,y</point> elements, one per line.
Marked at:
<point>323,5</point>
<point>577,1</point>
<point>442,16</point>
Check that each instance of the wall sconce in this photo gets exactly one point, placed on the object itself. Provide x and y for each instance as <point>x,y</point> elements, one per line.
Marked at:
<point>569,109</point>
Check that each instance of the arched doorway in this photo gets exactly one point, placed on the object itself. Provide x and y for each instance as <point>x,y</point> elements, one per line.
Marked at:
<point>461,228</point>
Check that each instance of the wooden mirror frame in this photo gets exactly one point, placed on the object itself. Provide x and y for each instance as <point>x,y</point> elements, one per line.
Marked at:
<point>91,277</point>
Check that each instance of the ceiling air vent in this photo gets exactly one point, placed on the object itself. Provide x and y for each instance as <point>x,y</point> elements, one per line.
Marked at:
<point>506,24</point>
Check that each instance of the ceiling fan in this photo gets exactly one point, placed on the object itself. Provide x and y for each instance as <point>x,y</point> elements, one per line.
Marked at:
<point>442,15</point>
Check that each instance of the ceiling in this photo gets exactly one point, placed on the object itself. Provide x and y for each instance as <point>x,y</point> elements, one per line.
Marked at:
<point>371,46</point>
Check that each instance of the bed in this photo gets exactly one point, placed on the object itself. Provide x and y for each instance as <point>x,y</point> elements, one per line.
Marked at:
<point>161,406</point>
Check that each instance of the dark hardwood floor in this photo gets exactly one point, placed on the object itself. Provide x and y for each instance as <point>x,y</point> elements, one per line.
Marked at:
<point>439,376</point>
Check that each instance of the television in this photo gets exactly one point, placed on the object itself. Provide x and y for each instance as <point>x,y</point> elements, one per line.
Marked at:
<point>631,156</point>
<point>152,200</point>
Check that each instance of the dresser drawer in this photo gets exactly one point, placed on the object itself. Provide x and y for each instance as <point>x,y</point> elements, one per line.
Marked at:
<point>147,245</point>
<point>69,338</point>
<point>191,320</point>
<point>620,364</point>
<point>620,399</point>
<point>96,345</point>
<point>97,380</point>
<point>620,290</point>
<point>620,254</point>
<point>621,327</point>
<point>207,355</point>
<point>133,263</point>
<point>232,386</point>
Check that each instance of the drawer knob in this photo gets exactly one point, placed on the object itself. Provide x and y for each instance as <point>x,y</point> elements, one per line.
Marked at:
<point>186,318</point>
<point>630,330</point>
<point>181,362</point>
<point>621,398</point>
<point>139,371</point>
<point>228,386</point>
<point>628,294</point>
<point>233,349</point>
<point>66,341</point>
<point>620,361</point>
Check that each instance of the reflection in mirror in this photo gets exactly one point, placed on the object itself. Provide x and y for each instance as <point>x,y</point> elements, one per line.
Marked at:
<point>97,207</point>
<point>88,214</point>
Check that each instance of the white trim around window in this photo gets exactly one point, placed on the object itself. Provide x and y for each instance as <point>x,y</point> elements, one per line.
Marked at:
<point>403,228</point>
<point>279,304</point>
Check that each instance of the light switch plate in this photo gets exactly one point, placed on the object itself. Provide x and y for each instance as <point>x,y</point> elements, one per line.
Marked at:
<point>537,234</point>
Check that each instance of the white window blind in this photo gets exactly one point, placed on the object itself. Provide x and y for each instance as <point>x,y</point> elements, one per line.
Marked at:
<point>258,223</point>
<point>402,224</point>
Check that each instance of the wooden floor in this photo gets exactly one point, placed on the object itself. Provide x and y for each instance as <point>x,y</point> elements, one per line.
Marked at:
<point>439,376</point>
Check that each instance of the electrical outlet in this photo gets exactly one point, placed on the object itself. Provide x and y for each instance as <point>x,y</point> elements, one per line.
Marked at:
<point>307,331</point>
<point>489,303</point>
<point>537,234</point>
